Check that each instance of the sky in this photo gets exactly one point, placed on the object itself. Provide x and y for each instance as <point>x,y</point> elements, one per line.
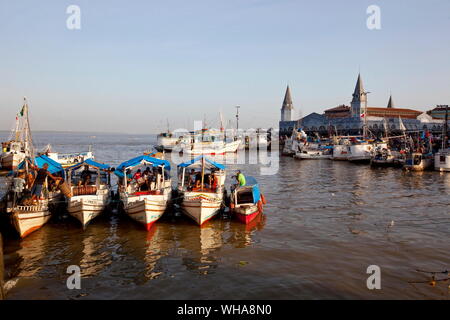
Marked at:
<point>134,65</point>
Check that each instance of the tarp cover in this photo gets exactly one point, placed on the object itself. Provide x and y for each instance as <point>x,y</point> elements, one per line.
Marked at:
<point>141,160</point>
<point>251,182</point>
<point>53,166</point>
<point>91,163</point>
<point>198,159</point>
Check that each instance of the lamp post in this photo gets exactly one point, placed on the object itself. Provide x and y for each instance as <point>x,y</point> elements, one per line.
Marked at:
<point>365,93</point>
<point>237,118</point>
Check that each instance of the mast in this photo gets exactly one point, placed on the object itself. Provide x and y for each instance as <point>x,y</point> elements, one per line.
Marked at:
<point>203,172</point>
<point>445,129</point>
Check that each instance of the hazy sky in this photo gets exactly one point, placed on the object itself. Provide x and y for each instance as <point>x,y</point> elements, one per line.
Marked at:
<point>135,63</point>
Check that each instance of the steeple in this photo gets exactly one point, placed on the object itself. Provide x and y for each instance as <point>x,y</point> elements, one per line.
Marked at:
<point>287,102</point>
<point>359,97</point>
<point>287,109</point>
<point>390,103</point>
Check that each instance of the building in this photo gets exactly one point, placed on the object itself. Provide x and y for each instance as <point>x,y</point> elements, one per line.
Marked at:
<point>439,112</point>
<point>287,109</point>
<point>345,120</point>
<point>341,111</point>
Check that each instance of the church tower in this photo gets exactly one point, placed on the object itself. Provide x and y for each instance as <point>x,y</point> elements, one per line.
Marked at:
<point>391,102</point>
<point>287,110</point>
<point>359,98</point>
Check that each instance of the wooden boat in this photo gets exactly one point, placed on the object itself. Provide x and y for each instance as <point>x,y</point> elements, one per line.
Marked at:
<point>68,159</point>
<point>20,144</point>
<point>87,199</point>
<point>27,217</point>
<point>204,200</point>
<point>418,162</point>
<point>384,157</point>
<point>246,202</point>
<point>143,200</point>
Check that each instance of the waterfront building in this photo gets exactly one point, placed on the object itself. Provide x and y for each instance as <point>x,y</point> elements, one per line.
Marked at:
<point>349,120</point>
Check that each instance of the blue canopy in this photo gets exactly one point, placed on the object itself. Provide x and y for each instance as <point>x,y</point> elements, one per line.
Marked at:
<point>53,166</point>
<point>251,182</point>
<point>199,158</point>
<point>138,161</point>
<point>90,163</point>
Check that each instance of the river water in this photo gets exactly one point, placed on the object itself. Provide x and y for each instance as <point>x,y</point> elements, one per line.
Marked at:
<point>325,222</point>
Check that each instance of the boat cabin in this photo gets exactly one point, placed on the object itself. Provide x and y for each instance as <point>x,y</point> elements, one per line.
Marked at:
<point>201,174</point>
<point>144,175</point>
<point>87,177</point>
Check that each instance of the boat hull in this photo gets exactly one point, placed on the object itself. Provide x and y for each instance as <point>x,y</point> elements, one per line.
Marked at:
<point>27,219</point>
<point>442,162</point>
<point>10,161</point>
<point>246,215</point>
<point>146,209</point>
<point>86,209</point>
<point>201,207</point>
<point>425,164</point>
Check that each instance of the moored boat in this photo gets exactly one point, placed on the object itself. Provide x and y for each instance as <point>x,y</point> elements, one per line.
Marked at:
<point>68,159</point>
<point>442,160</point>
<point>28,216</point>
<point>201,188</point>
<point>314,154</point>
<point>20,144</point>
<point>246,202</point>
<point>145,196</point>
<point>88,193</point>
<point>417,161</point>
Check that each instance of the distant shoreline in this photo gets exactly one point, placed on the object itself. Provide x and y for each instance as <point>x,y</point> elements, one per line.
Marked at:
<point>85,132</point>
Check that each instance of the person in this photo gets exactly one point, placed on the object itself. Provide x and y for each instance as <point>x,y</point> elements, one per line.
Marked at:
<point>19,181</point>
<point>192,178</point>
<point>240,178</point>
<point>86,176</point>
<point>42,174</point>
<point>137,175</point>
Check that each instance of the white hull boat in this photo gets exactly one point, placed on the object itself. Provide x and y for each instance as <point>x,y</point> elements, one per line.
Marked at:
<point>143,199</point>
<point>418,162</point>
<point>201,206</point>
<point>10,161</point>
<point>29,218</point>
<point>340,152</point>
<point>204,199</point>
<point>312,155</point>
<point>442,161</point>
<point>88,198</point>
<point>146,208</point>
<point>87,207</point>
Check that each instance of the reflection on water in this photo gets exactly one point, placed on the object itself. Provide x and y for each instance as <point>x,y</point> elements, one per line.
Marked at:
<point>325,222</point>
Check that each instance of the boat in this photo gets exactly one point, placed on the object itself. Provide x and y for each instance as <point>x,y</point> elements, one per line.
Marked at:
<point>205,199</point>
<point>261,139</point>
<point>67,159</point>
<point>341,148</point>
<point>442,157</point>
<point>166,142</point>
<point>322,152</point>
<point>208,142</point>
<point>418,161</point>
<point>27,217</point>
<point>89,195</point>
<point>442,160</point>
<point>20,144</point>
<point>246,202</point>
<point>383,157</point>
<point>145,199</point>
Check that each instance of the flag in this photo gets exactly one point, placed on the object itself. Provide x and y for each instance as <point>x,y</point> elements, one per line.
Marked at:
<point>362,115</point>
<point>22,111</point>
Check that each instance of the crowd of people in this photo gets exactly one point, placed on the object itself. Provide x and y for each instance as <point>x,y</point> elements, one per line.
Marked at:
<point>29,187</point>
<point>146,180</point>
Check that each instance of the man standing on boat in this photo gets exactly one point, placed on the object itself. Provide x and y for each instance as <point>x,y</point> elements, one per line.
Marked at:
<point>42,174</point>
<point>240,179</point>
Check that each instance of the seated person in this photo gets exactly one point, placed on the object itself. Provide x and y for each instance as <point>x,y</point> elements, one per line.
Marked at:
<point>86,176</point>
